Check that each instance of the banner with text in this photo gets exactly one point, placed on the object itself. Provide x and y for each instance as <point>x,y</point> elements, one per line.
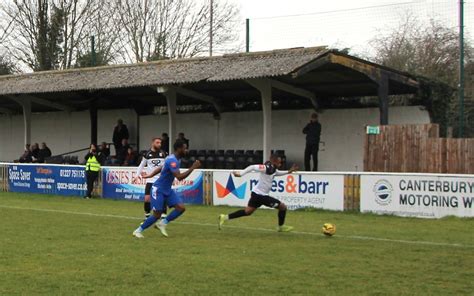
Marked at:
<point>117,183</point>
<point>49,179</point>
<point>295,190</point>
<point>417,195</point>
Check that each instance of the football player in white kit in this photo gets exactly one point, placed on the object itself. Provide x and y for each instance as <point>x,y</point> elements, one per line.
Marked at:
<point>260,194</point>
<point>152,159</point>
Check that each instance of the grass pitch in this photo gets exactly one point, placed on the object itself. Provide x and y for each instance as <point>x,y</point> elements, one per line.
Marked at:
<point>55,245</point>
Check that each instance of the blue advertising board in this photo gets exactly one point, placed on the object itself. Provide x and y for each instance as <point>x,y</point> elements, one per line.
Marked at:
<point>48,179</point>
<point>118,183</point>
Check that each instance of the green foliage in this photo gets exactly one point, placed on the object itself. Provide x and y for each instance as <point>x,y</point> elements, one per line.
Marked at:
<point>85,60</point>
<point>6,66</point>
<point>438,99</point>
<point>428,50</point>
<point>49,36</point>
<point>63,245</point>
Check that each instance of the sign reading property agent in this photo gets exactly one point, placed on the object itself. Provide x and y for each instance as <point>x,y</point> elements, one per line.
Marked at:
<point>418,195</point>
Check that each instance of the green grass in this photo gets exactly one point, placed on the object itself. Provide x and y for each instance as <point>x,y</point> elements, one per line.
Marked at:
<point>48,252</point>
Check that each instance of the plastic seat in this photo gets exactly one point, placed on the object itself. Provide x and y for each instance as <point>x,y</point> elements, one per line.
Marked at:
<point>280,152</point>
<point>185,163</point>
<point>229,163</point>
<point>210,162</point>
<point>250,160</point>
<point>240,162</point>
<point>220,162</point>
<point>249,153</point>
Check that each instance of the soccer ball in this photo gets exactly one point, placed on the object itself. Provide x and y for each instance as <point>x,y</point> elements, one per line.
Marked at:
<point>329,229</point>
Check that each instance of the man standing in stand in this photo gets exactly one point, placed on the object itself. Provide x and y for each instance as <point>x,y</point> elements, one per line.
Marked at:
<point>313,134</point>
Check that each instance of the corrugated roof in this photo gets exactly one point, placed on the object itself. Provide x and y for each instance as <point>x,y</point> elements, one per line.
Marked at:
<point>180,71</point>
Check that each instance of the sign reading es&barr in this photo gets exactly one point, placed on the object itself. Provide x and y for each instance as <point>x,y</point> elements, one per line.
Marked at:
<point>324,191</point>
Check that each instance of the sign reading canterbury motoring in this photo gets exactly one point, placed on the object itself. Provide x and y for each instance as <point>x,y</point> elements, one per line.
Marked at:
<point>418,195</point>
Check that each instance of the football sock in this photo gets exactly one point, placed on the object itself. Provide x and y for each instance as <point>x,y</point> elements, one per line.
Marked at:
<point>281,217</point>
<point>148,222</point>
<point>173,215</point>
<point>237,214</point>
<point>147,208</point>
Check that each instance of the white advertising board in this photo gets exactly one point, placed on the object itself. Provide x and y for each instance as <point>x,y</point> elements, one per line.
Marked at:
<point>295,190</point>
<point>417,195</point>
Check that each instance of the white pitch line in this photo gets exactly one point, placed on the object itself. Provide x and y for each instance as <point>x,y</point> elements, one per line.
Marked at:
<point>353,237</point>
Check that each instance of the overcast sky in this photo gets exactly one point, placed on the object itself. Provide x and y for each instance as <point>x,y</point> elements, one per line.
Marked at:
<point>338,23</point>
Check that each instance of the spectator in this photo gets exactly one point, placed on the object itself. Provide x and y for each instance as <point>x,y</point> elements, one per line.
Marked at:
<point>26,156</point>
<point>104,150</point>
<point>44,152</point>
<point>122,153</point>
<point>313,134</point>
<point>93,162</point>
<point>120,133</point>
<point>182,138</point>
<point>131,158</point>
<point>165,142</point>
<point>35,152</point>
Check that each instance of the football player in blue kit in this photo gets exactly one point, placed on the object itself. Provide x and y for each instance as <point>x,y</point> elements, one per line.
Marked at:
<point>162,194</point>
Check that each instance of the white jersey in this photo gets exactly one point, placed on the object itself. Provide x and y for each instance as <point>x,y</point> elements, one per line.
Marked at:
<point>265,181</point>
<point>150,161</point>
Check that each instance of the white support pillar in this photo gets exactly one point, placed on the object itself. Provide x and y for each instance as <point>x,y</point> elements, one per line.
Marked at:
<point>170,95</point>
<point>265,89</point>
<point>266,93</point>
<point>26,105</point>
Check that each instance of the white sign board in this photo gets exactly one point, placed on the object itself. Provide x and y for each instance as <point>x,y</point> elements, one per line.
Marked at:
<point>418,195</point>
<point>295,190</point>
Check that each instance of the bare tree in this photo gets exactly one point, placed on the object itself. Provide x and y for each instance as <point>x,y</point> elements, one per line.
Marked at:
<point>104,26</point>
<point>430,50</point>
<point>157,29</point>
<point>54,34</point>
<point>49,34</point>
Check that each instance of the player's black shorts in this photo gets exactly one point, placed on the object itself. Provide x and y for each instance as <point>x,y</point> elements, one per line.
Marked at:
<point>257,200</point>
<point>148,188</point>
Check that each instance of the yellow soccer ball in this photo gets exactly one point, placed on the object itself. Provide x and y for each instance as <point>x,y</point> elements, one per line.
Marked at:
<point>329,229</point>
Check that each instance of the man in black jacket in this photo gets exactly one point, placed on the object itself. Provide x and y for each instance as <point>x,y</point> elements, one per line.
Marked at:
<point>120,133</point>
<point>313,133</point>
<point>26,156</point>
<point>165,142</point>
<point>44,153</point>
<point>183,138</point>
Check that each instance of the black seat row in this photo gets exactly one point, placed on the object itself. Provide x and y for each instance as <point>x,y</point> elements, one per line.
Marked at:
<point>73,159</point>
<point>226,153</point>
<point>227,159</point>
<point>234,153</point>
